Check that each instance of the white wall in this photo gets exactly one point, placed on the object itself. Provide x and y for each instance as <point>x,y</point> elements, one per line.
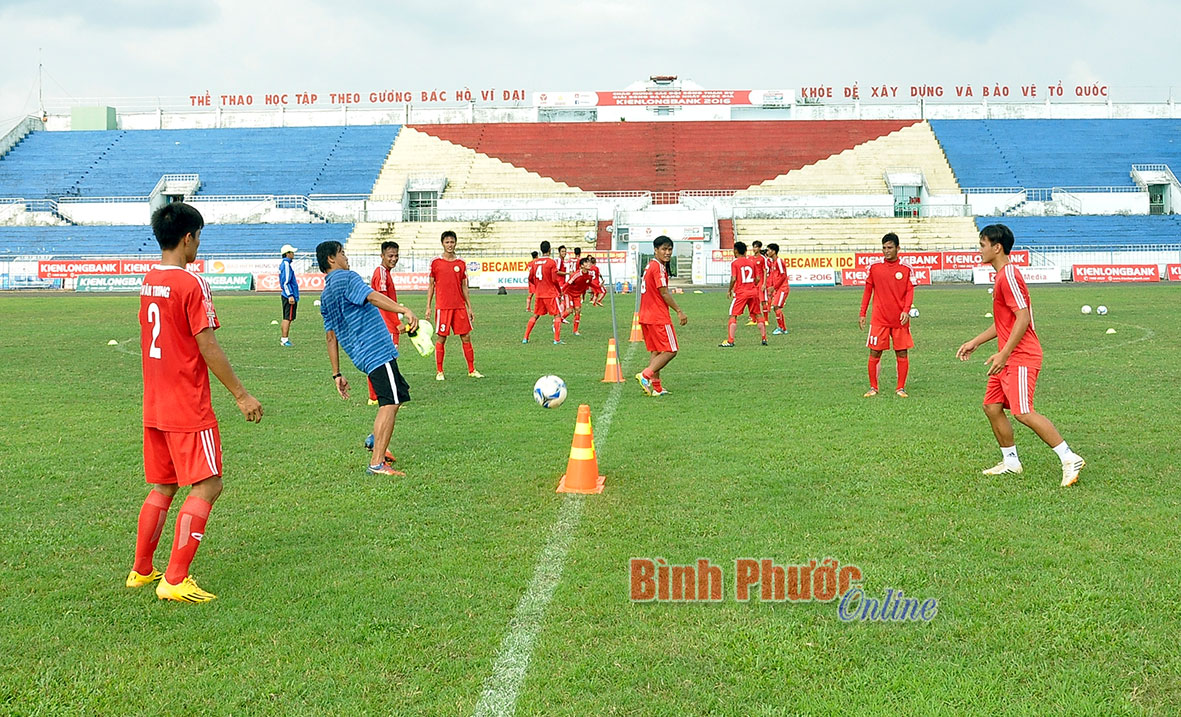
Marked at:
<point>1113,202</point>
<point>106,213</point>
<point>991,205</point>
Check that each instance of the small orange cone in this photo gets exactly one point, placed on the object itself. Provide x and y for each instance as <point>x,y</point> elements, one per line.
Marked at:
<point>637,335</point>
<point>614,372</point>
<point>582,471</point>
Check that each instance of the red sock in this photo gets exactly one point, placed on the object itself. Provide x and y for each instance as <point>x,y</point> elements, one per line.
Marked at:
<point>151,524</point>
<point>529,326</point>
<point>372,395</point>
<point>873,371</point>
<point>903,368</point>
<point>647,373</point>
<point>577,318</point>
<point>470,354</point>
<point>779,318</point>
<point>763,329</point>
<point>190,529</point>
<point>656,385</point>
<point>558,328</point>
<point>439,356</point>
<point>733,323</point>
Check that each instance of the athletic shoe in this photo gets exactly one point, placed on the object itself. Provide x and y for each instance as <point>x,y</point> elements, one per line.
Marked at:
<point>778,332</point>
<point>764,342</point>
<point>524,341</point>
<point>389,457</point>
<point>285,342</point>
<point>645,383</point>
<point>385,469</point>
<point>752,323</point>
<point>186,591</point>
<point>1071,468</point>
<point>1003,468</point>
<point>870,393</point>
<point>372,402</point>
<point>577,334</point>
<point>476,374</point>
<point>726,345</point>
<point>135,580</point>
<point>565,321</point>
<point>556,343</point>
<point>439,376</point>
<point>901,393</point>
<point>661,392</point>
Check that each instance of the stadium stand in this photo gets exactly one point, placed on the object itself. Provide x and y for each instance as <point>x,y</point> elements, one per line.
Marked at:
<point>663,156</point>
<point>862,168</point>
<point>274,160</point>
<point>1040,153</point>
<point>474,237</point>
<point>1092,232</point>
<point>216,240</point>
<point>933,232</point>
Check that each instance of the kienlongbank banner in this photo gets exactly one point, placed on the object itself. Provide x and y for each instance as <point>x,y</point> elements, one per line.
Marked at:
<point>110,283</point>
<point>229,282</point>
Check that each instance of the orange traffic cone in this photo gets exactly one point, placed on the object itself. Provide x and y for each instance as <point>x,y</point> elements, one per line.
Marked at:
<point>582,471</point>
<point>614,372</point>
<point>637,335</point>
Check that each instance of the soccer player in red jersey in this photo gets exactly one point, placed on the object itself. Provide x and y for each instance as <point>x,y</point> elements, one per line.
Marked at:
<point>548,287</point>
<point>597,290</point>
<point>745,293</point>
<point>565,269</point>
<point>760,258</point>
<point>655,300</point>
<point>778,286</point>
<point>1013,369</point>
<point>382,282</point>
<point>532,281</point>
<point>182,444</point>
<point>889,283</point>
<point>575,289</point>
<point>448,283</point>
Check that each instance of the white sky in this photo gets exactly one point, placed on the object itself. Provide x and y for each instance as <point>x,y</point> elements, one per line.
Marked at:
<point>128,48</point>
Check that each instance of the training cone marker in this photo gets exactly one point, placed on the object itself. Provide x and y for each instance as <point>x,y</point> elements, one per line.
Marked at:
<point>636,335</point>
<point>614,372</point>
<point>112,342</point>
<point>274,323</point>
<point>988,315</point>
<point>1111,331</point>
<point>582,471</point>
<point>316,302</point>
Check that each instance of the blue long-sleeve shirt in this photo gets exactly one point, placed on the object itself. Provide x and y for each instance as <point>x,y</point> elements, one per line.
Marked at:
<point>287,283</point>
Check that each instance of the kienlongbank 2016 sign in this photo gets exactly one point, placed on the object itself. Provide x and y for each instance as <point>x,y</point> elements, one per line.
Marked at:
<point>110,283</point>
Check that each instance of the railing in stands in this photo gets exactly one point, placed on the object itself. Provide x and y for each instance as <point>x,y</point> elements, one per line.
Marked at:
<point>101,200</point>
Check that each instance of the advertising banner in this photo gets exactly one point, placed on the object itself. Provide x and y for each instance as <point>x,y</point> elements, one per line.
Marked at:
<point>1107,273</point>
<point>72,268</point>
<point>1174,272</point>
<point>306,282</point>
<point>229,282</point>
<point>110,283</point>
<point>1031,274</point>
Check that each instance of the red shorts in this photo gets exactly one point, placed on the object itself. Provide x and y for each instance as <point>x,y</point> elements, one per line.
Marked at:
<point>574,300</point>
<point>181,457</point>
<point>880,338</point>
<point>659,337</point>
<point>393,326</point>
<point>545,305</point>
<point>741,303</point>
<point>452,321</point>
<point>1012,388</point>
<point>597,288</point>
<point>779,298</point>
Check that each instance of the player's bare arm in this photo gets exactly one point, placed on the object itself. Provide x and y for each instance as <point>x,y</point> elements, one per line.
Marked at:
<point>467,302</point>
<point>220,366</point>
<point>730,291</point>
<point>430,295</point>
<point>342,383</point>
<point>965,350</point>
<point>385,303</point>
<point>1021,323</point>
<point>672,303</point>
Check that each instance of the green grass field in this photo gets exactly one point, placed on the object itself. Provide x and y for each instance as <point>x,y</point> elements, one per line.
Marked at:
<point>345,594</point>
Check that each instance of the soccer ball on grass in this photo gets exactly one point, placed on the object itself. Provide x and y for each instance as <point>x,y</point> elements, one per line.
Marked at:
<point>1086,309</point>
<point>549,391</point>
<point>1101,310</point>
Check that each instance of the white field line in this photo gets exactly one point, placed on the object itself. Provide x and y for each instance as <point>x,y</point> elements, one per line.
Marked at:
<point>499,697</point>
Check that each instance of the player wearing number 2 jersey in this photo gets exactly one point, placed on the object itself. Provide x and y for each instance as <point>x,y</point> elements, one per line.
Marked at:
<point>182,445</point>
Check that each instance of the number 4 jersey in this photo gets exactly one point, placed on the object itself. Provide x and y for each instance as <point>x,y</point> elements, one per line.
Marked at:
<point>174,306</point>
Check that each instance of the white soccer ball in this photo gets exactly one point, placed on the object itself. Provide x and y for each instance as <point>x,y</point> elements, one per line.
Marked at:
<point>1086,308</point>
<point>549,391</point>
<point>1101,310</point>
<point>914,313</point>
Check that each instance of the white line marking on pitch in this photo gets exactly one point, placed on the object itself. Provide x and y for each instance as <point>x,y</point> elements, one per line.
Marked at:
<point>512,663</point>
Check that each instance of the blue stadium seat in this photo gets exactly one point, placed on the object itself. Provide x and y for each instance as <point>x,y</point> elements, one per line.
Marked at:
<point>1091,232</point>
<point>272,160</point>
<point>217,240</point>
<point>1039,153</point>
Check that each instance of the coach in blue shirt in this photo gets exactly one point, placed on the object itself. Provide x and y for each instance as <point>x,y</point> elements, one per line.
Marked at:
<point>352,321</point>
<point>289,287</point>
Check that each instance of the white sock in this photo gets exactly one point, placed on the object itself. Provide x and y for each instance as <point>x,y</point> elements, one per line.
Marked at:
<point>1010,455</point>
<point>1062,450</point>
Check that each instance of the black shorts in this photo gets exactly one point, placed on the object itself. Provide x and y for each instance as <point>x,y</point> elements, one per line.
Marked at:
<point>388,385</point>
<point>289,309</point>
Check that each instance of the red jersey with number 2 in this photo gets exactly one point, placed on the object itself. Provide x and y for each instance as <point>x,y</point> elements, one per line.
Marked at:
<point>174,306</point>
